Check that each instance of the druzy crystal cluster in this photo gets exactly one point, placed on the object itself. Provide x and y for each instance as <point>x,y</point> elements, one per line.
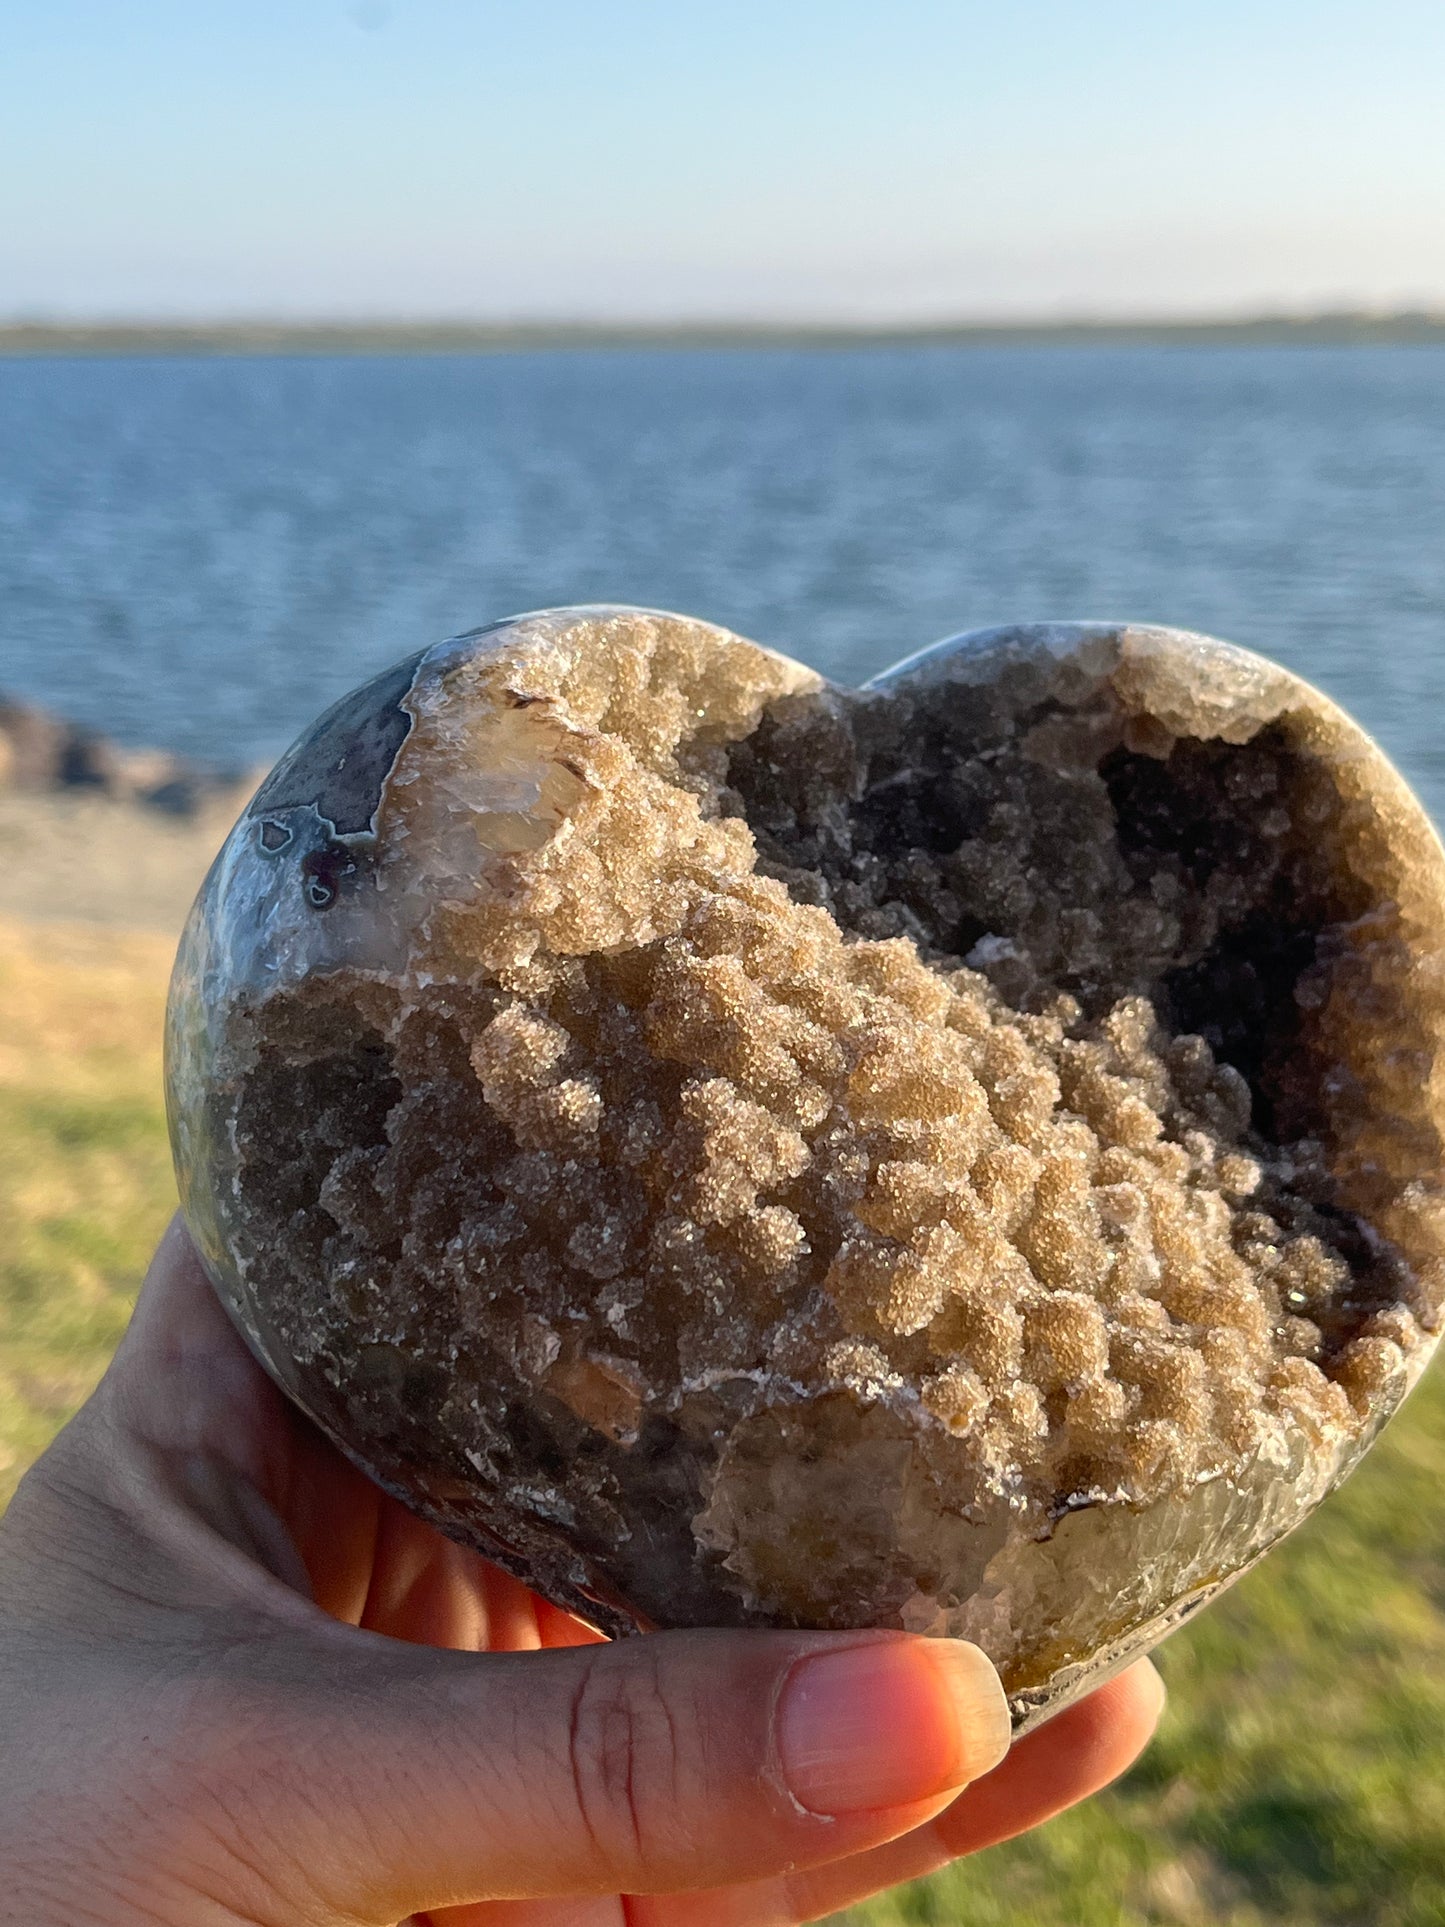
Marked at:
<point>962,1154</point>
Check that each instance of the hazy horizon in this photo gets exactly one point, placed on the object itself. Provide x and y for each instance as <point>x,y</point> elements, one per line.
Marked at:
<point>1239,315</point>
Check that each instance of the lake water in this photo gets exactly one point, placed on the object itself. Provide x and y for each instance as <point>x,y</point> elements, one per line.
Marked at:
<point>202,553</point>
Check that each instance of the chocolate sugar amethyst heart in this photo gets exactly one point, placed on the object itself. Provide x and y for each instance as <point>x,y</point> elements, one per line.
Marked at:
<point>962,1154</point>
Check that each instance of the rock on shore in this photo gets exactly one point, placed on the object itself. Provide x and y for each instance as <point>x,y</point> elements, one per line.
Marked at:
<point>42,754</point>
<point>94,833</point>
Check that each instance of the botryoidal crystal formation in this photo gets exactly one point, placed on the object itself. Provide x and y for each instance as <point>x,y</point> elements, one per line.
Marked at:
<point>962,1154</point>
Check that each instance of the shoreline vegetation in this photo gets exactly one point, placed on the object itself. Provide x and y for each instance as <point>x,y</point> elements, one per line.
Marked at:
<point>1345,328</point>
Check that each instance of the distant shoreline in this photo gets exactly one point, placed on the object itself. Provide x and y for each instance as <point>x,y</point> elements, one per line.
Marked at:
<point>1345,329</point>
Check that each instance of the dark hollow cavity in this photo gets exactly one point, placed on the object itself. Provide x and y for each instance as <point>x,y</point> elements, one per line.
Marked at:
<point>1041,850</point>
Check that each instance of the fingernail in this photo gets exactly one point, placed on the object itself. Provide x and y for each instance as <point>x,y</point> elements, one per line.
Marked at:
<point>1150,1681</point>
<point>887,1722</point>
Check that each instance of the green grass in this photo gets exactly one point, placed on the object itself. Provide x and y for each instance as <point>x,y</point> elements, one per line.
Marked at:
<point>1299,1777</point>
<point>85,1183</point>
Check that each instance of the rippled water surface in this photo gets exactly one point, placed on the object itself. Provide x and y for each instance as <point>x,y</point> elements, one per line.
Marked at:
<point>200,554</point>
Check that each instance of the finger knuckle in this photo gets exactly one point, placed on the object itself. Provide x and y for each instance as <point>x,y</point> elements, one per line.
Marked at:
<point>627,1764</point>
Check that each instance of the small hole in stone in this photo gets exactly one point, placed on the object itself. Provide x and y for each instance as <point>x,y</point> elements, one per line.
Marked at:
<point>273,837</point>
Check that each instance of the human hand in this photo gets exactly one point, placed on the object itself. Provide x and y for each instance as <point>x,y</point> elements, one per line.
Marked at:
<point>241,1687</point>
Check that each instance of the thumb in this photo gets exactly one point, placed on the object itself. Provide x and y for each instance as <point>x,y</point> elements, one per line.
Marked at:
<point>417,1779</point>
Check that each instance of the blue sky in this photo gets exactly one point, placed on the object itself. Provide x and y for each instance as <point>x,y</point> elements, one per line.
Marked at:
<point>769,158</point>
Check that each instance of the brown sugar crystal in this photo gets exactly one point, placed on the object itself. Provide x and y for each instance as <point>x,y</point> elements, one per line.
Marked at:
<point>961,1154</point>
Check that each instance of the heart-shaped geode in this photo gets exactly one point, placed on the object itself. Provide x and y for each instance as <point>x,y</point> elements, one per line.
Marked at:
<point>962,1154</point>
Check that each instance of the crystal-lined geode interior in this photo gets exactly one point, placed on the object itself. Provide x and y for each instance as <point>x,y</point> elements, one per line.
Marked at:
<point>962,1154</point>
